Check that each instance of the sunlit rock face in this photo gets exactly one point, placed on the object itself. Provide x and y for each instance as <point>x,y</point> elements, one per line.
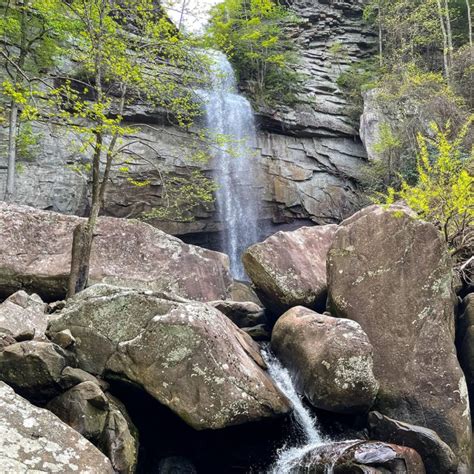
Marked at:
<point>309,153</point>
<point>392,273</point>
<point>35,254</point>
<point>34,440</point>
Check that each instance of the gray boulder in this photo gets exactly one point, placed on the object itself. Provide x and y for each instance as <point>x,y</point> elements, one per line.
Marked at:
<point>392,274</point>
<point>436,454</point>
<point>35,253</point>
<point>187,355</point>
<point>33,369</point>
<point>289,268</point>
<point>34,440</point>
<point>22,314</point>
<point>330,359</point>
<point>100,419</point>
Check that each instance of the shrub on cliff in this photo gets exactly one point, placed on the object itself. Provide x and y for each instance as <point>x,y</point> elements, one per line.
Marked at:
<point>444,191</point>
<point>253,34</point>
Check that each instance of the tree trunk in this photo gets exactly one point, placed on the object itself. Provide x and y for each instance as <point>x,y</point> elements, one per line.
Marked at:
<point>80,260</point>
<point>449,33</point>
<point>469,22</point>
<point>445,39</point>
<point>84,233</point>
<point>380,28</point>
<point>13,127</point>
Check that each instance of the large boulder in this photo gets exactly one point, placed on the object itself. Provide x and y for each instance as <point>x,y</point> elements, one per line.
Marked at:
<point>33,369</point>
<point>436,454</point>
<point>35,253</point>
<point>352,457</point>
<point>102,420</point>
<point>22,314</point>
<point>330,359</point>
<point>465,343</point>
<point>34,440</point>
<point>187,355</point>
<point>289,268</point>
<point>392,274</point>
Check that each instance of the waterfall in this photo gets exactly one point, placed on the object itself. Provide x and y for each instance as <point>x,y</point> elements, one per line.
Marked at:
<point>289,457</point>
<point>230,123</point>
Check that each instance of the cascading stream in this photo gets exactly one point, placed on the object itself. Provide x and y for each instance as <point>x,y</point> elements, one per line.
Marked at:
<point>289,457</point>
<point>231,125</point>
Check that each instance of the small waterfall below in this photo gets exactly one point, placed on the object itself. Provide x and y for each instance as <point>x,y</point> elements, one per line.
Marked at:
<point>289,457</point>
<point>231,125</point>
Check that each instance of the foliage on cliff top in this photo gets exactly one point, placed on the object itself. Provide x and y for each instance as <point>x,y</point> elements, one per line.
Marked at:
<point>444,190</point>
<point>253,33</point>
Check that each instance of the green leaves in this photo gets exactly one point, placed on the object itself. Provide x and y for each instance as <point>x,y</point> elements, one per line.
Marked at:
<point>253,34</point>
<point>444,191</point>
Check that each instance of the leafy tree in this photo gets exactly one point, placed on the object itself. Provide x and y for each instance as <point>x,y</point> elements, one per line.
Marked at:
<point>119,52</point>
<point>31,33</point>
<point>253,34</point>
<point>444,191</point>
<point>124,50</point>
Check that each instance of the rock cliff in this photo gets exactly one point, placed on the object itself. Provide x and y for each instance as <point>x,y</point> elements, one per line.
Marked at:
<point>311,155</point>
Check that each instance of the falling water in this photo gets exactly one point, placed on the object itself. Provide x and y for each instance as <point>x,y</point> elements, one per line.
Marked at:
<point>289,457</point>
<point>230,122</point>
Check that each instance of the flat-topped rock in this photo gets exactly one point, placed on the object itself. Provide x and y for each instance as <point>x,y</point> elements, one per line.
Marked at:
<point>35,253</point>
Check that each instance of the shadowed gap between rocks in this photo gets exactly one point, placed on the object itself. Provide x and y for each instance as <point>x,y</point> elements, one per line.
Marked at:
<point>163,435</point>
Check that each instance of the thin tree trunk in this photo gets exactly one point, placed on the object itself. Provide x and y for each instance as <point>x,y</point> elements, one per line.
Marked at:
<point>83,236</point>
<point>445,39</point>
<point>13,126</point>
<point>449,32</point>
<point>469,22</point>
<point>380,22</point>
<point>84,232</point>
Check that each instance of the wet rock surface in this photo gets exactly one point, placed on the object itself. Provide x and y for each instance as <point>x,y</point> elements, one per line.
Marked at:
<point>392,274</point>
<point>436,454</point>
<point>359,457</point>
<point>330,360</point>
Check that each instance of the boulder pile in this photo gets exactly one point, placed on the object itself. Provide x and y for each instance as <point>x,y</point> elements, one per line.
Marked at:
<point>361,315</point>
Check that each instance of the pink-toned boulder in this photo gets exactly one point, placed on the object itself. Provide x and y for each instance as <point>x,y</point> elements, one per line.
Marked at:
<point>289,268</point>
<point>35,254</point>
<point>392,273</point>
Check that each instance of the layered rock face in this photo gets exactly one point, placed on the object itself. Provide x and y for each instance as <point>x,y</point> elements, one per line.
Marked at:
<point>310,153</point>
<point>35,253</point>
<point>392,274</point>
